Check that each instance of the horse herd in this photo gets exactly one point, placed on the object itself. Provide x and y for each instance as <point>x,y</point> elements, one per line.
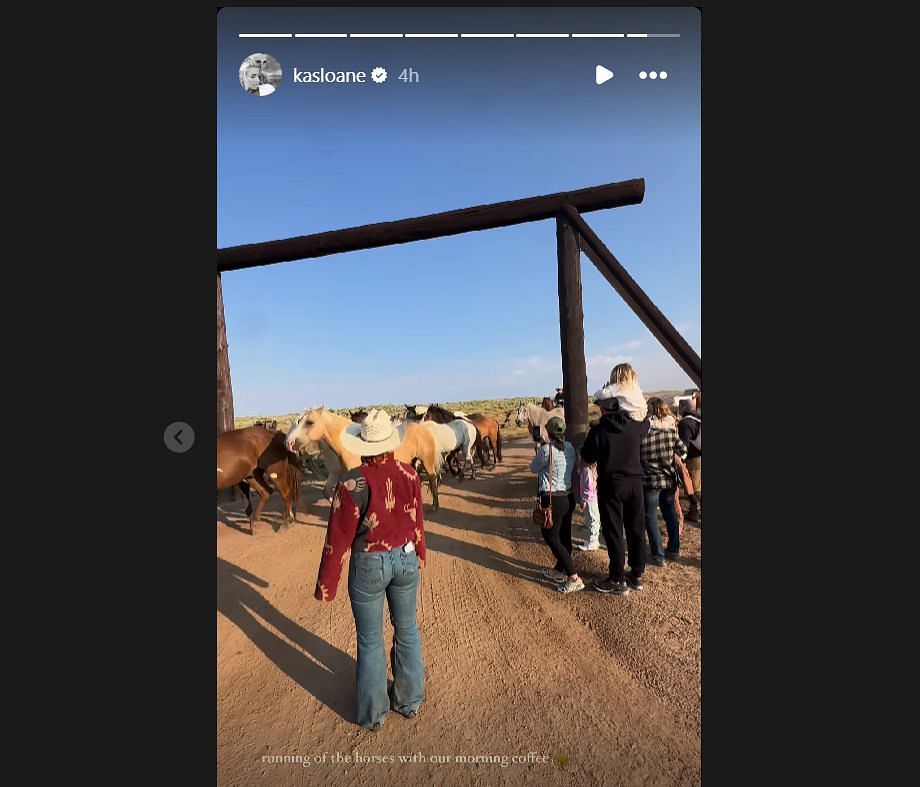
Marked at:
<point>267,460</point>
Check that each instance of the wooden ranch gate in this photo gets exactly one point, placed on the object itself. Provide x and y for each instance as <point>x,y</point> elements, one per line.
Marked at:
<point>573,235</point>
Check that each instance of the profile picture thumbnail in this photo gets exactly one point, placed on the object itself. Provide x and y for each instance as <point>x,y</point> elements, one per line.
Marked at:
<point>260,74</point>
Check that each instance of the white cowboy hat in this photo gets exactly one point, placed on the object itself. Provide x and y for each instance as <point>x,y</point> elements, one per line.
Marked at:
<point>373,437</point>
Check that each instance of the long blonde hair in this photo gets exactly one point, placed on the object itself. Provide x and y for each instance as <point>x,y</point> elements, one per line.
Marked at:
<point>623,374</point>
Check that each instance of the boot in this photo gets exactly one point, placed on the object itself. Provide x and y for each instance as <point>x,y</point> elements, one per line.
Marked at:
<point>696,509</point>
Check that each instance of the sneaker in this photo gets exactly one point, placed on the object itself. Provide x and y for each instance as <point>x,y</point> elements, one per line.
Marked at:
<point>609,586</point>
<point>635,583</point>
<point>590,547</point>
<point>672,556</point>
<point>556,576</point>
<point>571,585</point>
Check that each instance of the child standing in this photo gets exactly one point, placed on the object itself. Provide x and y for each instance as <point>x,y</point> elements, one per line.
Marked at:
<point>624,387</point>
<point>587,500</point>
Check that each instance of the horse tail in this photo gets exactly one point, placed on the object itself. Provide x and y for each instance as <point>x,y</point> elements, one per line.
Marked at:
<point>477,447</point>
<point>498,449</point>
<point>438,458</point>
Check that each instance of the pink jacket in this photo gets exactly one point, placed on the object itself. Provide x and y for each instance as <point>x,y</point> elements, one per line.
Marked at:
<point>587,484</point>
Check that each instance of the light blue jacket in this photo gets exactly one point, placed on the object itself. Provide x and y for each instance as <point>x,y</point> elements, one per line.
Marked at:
<point>563,467</point>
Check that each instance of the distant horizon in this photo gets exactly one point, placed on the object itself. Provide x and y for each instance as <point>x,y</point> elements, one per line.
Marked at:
<point>364,405</point>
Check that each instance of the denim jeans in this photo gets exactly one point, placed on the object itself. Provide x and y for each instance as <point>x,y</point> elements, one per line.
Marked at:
<point>593,521</point>
<point>664,498</point>
<point>370,576</point>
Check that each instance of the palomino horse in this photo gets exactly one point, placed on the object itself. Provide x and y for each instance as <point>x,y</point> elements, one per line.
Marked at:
<point>323,426</point>
<point>456,438</point>
<point>258,457</point>
<point>536,417</point>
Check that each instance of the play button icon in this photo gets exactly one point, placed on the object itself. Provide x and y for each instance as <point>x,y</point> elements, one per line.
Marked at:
<point>602,74</point>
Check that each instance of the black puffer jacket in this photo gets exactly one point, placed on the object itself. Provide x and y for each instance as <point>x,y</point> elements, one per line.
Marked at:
<point>688,428</point>
<point>614,444</point>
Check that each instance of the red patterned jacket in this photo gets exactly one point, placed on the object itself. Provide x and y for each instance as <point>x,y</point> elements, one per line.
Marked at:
<point>376,507</point>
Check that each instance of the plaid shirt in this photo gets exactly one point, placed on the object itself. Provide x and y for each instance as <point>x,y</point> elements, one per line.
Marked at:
<point>657,455</point>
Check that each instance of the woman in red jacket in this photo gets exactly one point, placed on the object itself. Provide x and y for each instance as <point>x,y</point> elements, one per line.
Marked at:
<point>376,517</point>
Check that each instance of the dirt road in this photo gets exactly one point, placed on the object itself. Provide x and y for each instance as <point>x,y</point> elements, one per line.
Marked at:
<point>523,682</point>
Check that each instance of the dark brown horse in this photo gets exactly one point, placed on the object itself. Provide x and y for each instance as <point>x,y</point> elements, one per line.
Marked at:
<point>358,416</point>
<point>258,457</point>
<point>548,404</point>
<point>412,415</point>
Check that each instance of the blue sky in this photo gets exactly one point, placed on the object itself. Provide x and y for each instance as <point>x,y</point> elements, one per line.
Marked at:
<point>476,315</point>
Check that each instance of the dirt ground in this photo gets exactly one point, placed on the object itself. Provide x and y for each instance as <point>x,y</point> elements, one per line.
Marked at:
<point>525,683</point>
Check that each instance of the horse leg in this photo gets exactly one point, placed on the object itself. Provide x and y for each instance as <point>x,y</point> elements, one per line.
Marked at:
<point>263,494</point>
<point>264,489</point>
<point>432,461</point>
<point>433,485</point>
<point>284,489</point>
<point>498,447</point>
<point>244,487</point>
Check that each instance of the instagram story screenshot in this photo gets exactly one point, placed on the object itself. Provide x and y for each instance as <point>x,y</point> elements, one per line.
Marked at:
<point>459,396</point>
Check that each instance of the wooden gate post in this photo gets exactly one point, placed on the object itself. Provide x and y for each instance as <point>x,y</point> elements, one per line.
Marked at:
<point>572,333</point>
<point>225,420</point>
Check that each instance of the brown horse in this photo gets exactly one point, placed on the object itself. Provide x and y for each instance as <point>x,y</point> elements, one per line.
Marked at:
<point>358,416</point>
<point>285,476</point>
<point>321,425</point>
<point>257,456</point>
<point>548,404</point>
<point>491,434</point>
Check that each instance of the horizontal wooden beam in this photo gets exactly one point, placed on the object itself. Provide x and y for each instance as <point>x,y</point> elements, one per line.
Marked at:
<point>635,298</point>
<point>436,225</point>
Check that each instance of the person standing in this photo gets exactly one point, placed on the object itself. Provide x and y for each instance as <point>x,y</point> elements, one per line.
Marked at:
<point>657,453</point>
<point>614,445</point>
<point>554,483</point>
<point>376,517</point>
<point>587,500</point>
<point>690,431</point>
